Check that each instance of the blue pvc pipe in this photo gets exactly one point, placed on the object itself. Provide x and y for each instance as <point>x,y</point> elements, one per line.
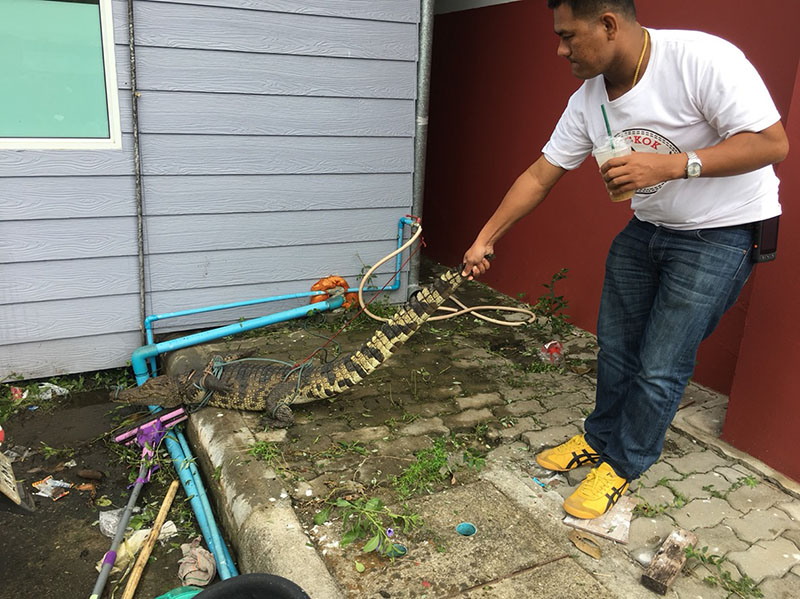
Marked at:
<point>175,441</point>
<point>148,322</point>
<point>141,354</point>
<point>178,448</point>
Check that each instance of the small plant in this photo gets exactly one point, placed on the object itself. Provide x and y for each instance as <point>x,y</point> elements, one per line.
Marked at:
<point>435,464</point>
<point>680,499</point>
<point>552,306</point>
<point>272,455</point>
<point>749,481</point>
<point>341,448</point>
<point>369,519</point>
<point>429,467</point>
<point>745,587</point>
<point>58,454</point>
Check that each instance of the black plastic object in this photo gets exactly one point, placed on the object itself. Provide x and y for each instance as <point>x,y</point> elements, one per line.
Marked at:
<point>254,586</point>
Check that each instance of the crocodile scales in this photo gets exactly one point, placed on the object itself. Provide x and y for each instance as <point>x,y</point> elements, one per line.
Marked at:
<point>271,388</point>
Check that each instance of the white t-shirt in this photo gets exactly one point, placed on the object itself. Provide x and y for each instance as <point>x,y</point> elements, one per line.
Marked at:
<point>697,91</point>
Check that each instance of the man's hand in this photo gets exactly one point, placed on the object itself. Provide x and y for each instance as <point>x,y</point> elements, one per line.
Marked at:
<point>641,169</point>
<point>475,261</point>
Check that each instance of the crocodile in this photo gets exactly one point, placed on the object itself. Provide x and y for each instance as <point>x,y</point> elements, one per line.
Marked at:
<point>271,388</point>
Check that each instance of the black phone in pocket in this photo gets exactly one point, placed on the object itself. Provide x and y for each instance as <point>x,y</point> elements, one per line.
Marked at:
<point>765,240</point>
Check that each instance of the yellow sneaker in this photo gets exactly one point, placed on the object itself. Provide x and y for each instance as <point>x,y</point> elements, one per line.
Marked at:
<point>597,494</point>
<point>572,454</point>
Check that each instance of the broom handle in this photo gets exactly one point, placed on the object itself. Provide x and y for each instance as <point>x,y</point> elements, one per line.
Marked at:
<point>144,555</point>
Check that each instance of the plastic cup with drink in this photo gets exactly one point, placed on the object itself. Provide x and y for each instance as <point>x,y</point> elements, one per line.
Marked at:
<point>612,148</point>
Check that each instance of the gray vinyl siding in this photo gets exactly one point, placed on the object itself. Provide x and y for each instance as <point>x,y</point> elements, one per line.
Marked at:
<point>276,142</point>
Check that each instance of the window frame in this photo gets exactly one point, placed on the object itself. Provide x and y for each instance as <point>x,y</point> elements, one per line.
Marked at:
<point>114,140</point>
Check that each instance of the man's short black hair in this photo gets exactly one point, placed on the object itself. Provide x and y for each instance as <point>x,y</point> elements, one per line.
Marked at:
<point>586,9</point>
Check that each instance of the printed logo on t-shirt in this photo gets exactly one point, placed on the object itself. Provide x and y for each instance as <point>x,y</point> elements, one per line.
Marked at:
<point>645,140</point>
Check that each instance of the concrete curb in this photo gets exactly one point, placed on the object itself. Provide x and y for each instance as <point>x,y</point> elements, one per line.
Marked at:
<point>253,506</point>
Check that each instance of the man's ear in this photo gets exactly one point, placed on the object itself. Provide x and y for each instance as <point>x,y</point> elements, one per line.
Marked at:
<point>610,25</point>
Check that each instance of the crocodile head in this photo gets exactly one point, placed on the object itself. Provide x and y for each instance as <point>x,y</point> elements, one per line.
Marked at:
<point>159,391</point>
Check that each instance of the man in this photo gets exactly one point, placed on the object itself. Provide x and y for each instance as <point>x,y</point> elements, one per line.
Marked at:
<point>705,134</point>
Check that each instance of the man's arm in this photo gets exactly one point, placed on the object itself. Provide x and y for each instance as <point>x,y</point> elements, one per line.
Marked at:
<point>530,188</point>
<point>740,153</point>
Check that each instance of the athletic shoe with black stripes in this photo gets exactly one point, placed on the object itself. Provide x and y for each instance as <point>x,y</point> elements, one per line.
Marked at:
<point>597,494</point>
<point>572,454</point>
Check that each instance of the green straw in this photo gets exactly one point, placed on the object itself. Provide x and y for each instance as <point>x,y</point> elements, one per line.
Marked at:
<point>608,127</point>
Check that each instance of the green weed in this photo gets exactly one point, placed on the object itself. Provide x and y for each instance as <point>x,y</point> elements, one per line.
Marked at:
<point>551,306</point>
<point>369,519</point>
<point>434,465</point>
<point>58,454</point>
<point>749,481</point>
<point>745,587</point>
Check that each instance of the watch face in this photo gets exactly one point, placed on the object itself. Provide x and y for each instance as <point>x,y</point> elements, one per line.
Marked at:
<point>693,169</point>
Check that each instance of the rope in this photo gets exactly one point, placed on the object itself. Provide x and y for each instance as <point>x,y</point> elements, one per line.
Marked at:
<point>453,312</point>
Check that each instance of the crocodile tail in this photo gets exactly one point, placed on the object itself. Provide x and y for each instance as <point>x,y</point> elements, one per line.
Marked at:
<point>348,370</point>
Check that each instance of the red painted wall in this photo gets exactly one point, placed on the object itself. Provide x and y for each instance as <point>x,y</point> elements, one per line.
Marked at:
<point>763,415</point>
<point>497,91</point>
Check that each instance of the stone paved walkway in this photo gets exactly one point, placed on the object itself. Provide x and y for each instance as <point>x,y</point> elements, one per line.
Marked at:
<point>480,391</point>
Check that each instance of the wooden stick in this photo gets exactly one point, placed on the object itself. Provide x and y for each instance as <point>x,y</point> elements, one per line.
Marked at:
<point>147,548</point>
<point>668,561</point>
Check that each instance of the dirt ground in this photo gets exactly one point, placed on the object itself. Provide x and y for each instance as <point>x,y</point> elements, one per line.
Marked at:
<point>53,551</point>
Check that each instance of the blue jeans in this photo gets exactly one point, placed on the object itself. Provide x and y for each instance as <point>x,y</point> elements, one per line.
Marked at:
<point>664,292</point>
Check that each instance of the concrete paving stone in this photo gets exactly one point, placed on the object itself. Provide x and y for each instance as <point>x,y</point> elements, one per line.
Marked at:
<point>562,579</point>
<point>759,525</point>
<point>515,455</point>
<point>760,497</point>
<point>677,445</point>
<point>482,400</point>
<point>507,541</point>
<point>646,536</point>
<point>319,486</point>
<point>514,431</point>
<point>691,487</point>
<point>279,435</point>
<point>703,513</point>
<point>571,397</point>
<point>792,508</point>
<point>480,362</point>
<point>720,540</point>
<point>655,496</point>
<point>793,535</point>
<point>514,394</point>
<point>709,419</point>
<point>691,586</point>
<point>658,471</point>
<point>732,473</point>
<point>787,587</point>
<point>468,419</point>
<point>697,461</point>
<point>520,408</point>
<point>549,437</point>
<point>425,426</point>
<point>429,409</point>
<point>560,416</point>
<point>403,446</point>
<point>374,469</point>
<point>767,558</point>
<point>363,435</point>
<point>471,353</point>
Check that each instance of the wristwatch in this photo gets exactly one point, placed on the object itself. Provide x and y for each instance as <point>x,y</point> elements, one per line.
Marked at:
<point>693,166</point>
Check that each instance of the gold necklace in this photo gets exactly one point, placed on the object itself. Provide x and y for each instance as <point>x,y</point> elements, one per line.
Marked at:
<point>641,58</point>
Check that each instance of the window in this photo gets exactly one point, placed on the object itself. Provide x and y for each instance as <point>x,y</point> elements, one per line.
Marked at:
<point>57,75</point>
